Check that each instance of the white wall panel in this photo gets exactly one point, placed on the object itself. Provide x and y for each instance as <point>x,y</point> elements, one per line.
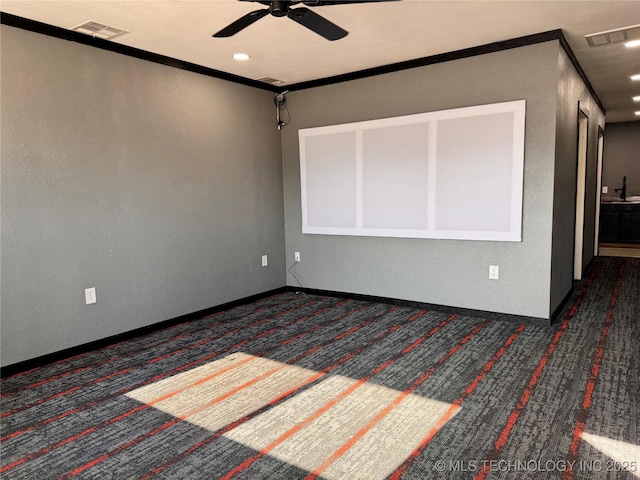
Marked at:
<point>454,174</point>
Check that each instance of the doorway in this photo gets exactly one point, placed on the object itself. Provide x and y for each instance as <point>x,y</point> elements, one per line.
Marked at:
<point>596,242</point>
<point>618,233</point>
<point>581,179</point>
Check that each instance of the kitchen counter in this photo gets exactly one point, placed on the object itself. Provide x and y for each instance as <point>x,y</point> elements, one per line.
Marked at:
<point>633,200</point>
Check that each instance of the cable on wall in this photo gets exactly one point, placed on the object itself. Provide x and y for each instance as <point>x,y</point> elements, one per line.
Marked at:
<point>294,275</point>
<point>281,105</point>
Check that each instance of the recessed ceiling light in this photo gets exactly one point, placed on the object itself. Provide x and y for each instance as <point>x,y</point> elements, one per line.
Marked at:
<point>636,99</point>
<point>632,43</point>
<point>635,77</point>
<point>241,56</point>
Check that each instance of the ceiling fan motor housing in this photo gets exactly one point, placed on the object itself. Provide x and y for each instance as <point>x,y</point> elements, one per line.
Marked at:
<point>279,8</point>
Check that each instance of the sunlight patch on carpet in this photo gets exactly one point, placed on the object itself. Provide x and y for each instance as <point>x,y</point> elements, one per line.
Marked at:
<point>374,456</point>
<point>625,454</point>
<point>216,394</point>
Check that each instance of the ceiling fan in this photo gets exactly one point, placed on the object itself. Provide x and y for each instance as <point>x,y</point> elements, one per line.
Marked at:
<point>301,15</point>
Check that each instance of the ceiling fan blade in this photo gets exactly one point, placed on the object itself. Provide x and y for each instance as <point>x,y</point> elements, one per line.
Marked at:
<point>241,23</point>
<point>324,3</point>
<point>317,24</point>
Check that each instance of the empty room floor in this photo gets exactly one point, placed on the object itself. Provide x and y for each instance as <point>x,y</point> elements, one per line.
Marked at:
<point>306,386</point>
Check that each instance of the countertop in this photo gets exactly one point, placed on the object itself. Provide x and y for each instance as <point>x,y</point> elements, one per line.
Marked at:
<point>633,200</point>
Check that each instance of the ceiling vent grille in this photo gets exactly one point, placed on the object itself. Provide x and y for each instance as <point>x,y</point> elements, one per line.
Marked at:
<point>272,81</point>
<point>99,30</point>
<point>613,36</point>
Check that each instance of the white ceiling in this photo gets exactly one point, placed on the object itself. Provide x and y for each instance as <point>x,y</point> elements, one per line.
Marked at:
<point>380,34</point>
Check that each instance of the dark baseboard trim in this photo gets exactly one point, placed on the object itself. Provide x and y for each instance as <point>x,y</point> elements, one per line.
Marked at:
<point>562,306</point>
<point>559,311</point>
<point>519,319</point>
<point>589,266</point>
<point>43,360</point>
<point>72,36</point>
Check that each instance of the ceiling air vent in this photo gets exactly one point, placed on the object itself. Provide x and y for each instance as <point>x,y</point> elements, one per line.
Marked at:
<point>272,81</point>
<point>613,36</point>
<point>99,30</point>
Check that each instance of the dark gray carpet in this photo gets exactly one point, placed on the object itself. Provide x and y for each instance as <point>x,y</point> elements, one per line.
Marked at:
<point>294,384</point>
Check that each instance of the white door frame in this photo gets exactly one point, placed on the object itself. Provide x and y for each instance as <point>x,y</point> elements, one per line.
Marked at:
<point>581,178</point>
<point>598,189</point>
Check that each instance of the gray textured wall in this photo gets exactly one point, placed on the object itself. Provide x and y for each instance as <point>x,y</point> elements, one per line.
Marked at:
<point>622,157</point>
<point>161,188</point>
<point>571,91</point>
<point>447,272</point>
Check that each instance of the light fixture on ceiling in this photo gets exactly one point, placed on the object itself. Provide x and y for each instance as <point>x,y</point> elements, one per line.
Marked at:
<point>241,56</point>
<point>99,30</point>
<point>635,77</point>
<point>613,36</point>
<point>637,114</point>
<point>636,98</point>
<point>632,44</point>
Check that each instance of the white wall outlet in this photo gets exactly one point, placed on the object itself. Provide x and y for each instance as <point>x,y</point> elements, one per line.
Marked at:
<point>494,272</point>
<point>265,261</point>
<point>296,256</point>
<point>90,295</point>
<point>605,189</point>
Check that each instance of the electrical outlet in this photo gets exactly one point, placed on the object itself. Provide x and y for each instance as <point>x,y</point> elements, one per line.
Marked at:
<point>494,272</point>
<point>296,256</point>
<point>605,189</point>
<point>90,295</point>
<point>265,261</point>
